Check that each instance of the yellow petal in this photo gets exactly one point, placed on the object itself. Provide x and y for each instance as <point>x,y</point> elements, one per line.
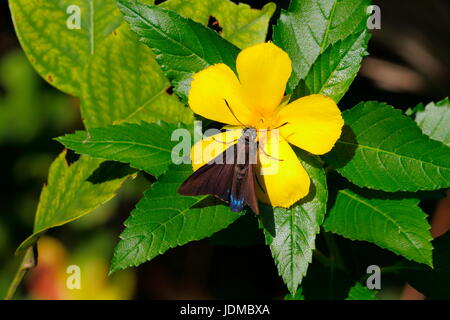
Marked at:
<point>314,123</point>
<point>209,90</point>
<point>280,173</point>
<point>207,149</point>
<point>264,70</point>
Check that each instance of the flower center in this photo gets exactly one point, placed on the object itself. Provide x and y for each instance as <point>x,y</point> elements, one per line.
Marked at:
<point>266,121</point>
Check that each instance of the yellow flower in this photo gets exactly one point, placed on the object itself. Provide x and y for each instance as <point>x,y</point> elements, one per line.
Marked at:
<point>257,100</point>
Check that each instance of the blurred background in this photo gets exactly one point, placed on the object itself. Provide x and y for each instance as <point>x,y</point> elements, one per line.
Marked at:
<point>409,64</point>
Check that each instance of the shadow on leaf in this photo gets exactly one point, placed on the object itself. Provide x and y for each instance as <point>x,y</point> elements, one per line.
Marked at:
<point>344,150</point>
<point>110,170</point>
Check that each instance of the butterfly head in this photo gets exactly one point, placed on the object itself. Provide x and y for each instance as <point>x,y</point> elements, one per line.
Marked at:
<point>249,134</point>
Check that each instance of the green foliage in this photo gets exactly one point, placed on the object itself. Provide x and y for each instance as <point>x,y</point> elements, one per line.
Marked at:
<point>382,149</point>
<point>116,77</point>
<point>434,121</point>
<point>145,146</point>
<point>334,70</point>
<point>434,282</point>
<point>240,24</point>
<point>57,52</point>
<point>297,296</point>
<point>291,233</point>
<point>130,112</point>
<point>182,46</point>
<point>163,219</point>
<point>358,292</point>
<point>309,27</point>
<point>68,195</point>
<point>397,225</point>
<point>124,83</point>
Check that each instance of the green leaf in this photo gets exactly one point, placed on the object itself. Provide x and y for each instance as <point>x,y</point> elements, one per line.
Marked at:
<point>57,52</point>
<point>145,146</point>
<point>334,70</point>
<point>297,296</point>
<point>163,219</point>
<point>182,46</point>
<point>433,283</point>
<point>124,83</point>
<point>69,196</point>
<point>291,233</point>
<point>240,24</point>
<point>310,26</point>
<point>413,110</point>
<point>434,121</point>
<point>382,149</point>
<point>359,292</point>
<point>397,225</point>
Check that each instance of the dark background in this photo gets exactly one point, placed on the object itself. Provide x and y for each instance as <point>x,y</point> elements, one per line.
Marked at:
<point>409,64</point>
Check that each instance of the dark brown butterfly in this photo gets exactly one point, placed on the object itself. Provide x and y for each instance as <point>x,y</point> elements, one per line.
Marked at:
<point>230,176</point>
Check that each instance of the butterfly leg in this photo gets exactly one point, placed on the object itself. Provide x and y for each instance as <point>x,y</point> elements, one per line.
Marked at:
<point>269,156</point>
<point>227,143</point>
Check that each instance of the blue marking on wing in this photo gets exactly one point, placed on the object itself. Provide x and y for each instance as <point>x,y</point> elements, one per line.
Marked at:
<point>236,205</point>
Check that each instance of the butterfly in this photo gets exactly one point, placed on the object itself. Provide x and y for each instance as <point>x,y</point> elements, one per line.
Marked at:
<point>230,176</point>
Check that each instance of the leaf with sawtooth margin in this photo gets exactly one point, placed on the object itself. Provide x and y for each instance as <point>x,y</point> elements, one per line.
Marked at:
<point>380,148</point>
<point>163,219</point>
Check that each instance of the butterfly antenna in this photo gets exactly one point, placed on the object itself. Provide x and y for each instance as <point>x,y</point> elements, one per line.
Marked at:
<point>280,126</point>
<point>229,108</point>
<point>259,184</point>
<point>274,128</point>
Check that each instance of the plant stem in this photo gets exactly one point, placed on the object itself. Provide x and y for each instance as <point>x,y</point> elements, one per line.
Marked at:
<point>27,263</point>
<point>335,255</point>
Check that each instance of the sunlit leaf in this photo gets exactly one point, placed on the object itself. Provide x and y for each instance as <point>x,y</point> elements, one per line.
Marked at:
<point>239,23</point>
<point>56,51</point>
<point>68,195</point>
<point>182,46</point>
<point>434,120</point>
<point>334,70</point>
<point>308,27</point>
<point>382,149</point>
<point>124,83</point>
<point>297,296</point>
<point>396,225</point>
<point>145,146</point>
<point>163,219</point>
<point>358,292</point>
<point>291,233</point>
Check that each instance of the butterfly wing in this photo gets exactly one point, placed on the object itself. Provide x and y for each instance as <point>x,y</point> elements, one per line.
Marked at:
<point>213,178</point>
<point>249,189</point>
<point>225,179</point>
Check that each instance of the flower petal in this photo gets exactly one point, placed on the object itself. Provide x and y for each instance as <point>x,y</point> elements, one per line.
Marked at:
<point>314,123</point>
<point>264,70</point>
<point>209,90</point>
<point>280,173</point>
<point>207,149</point>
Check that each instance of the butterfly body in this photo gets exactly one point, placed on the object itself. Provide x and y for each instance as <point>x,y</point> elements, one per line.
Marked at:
<point>230,176</point>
